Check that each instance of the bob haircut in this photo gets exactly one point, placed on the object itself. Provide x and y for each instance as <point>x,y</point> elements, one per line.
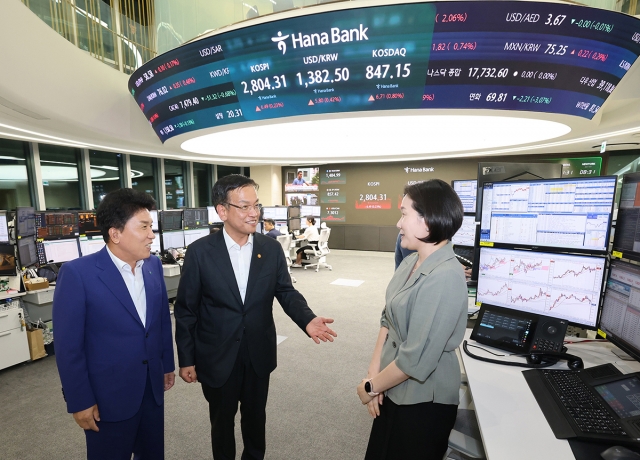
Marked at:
<point>119,206</point>
<point>439,205</point>
<point>226,184</point>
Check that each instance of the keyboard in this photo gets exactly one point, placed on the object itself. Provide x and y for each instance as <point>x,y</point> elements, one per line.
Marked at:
<point>585,408</point>
<point>594,404</point>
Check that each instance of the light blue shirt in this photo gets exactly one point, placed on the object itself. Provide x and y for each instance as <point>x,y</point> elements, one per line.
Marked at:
<point>240,260</point>
<point>134,283</point>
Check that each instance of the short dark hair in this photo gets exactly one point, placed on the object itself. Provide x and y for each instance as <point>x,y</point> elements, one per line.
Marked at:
<point>311,219</point>
<point>440,207</point>
<point>119,206</point>
<point>270,220</point>
<point>221,189</point>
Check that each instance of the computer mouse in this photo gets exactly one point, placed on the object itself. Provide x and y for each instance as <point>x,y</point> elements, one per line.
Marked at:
<point>619,453</point>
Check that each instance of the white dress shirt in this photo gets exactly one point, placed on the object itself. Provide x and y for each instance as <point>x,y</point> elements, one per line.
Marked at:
<point>135,284</point>
<point>240,260</point>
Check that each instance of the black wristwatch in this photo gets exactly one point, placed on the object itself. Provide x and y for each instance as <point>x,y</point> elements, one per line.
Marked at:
<point>368,387</point>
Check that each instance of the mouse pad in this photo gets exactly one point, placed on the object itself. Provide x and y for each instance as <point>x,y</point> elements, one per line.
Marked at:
<point>591,450</point>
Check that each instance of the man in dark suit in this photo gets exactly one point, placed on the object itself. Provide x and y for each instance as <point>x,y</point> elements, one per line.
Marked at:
<point>114,348</point>
<point>225,331</point>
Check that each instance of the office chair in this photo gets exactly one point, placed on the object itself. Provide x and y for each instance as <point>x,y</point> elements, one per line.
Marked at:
<point>285,242</point>
<point>320,253</point>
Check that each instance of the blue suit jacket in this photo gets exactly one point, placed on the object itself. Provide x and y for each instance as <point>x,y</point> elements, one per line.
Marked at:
<point>103,350</point>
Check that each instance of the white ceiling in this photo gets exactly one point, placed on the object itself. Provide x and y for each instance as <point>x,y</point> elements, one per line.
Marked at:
<point>53,92</point>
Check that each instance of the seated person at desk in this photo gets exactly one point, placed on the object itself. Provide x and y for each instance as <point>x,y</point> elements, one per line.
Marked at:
<point>311,235</point>
<point>299,180</point>
<point>270,227</point>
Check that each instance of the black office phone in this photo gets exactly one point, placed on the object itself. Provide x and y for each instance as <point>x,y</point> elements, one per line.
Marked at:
<point>518,332</point>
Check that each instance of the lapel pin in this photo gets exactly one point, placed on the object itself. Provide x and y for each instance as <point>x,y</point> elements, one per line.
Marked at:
<point>259,256</point>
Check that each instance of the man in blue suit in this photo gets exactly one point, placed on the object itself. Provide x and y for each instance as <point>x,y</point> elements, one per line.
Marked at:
<point>114,346</point>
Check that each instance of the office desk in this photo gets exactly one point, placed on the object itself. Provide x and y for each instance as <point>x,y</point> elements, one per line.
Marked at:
<point>511,422</point>
<point>39,304</point>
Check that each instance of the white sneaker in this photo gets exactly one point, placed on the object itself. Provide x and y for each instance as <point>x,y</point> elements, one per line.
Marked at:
<point>296,265</point>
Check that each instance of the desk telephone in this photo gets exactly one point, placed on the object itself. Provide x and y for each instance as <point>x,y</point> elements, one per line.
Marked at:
<point>539,339</point>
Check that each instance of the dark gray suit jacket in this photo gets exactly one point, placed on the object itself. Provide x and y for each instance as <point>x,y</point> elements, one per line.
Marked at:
<point>211,319</point>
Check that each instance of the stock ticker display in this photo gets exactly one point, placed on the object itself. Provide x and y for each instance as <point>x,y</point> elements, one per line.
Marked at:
<point>540,57</point>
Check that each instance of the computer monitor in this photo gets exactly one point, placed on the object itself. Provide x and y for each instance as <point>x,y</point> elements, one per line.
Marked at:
<point>303,223</point>
<point>194,234</point>
<point>27,254</point>
<point>306,210</point>
<point>4,228</point>
<point>213,218</point>
<point>563,286</point>
<point>7,260</point>
<point>88,224</point>
<point>627,235</point>
<point>195,218</point>
<point>25,221</point>
<point>573,214</point>
<point>171,220</point>
<point>295,224</point>
<point>58,251</point>
<point>54,225</point>
<point>156,247</point>
<point>91,244</point>
<point>466,234</point>
<point>467,191</point>
<point>154,220</point>
<point>275,212</point>
<point>294,211</point>
<point>173,239</point>
<point>621,307</point>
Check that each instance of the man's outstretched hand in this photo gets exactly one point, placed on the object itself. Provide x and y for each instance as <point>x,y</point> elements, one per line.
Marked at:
<point>318,329</point>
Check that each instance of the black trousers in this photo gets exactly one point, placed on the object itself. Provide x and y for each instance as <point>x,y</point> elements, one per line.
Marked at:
<point>244,386</point>
<point>414,431</point>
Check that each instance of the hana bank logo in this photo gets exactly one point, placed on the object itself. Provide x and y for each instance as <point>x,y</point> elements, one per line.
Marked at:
<point>280,40</point>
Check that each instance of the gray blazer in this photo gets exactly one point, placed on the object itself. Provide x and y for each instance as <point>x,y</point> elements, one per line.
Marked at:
<point>426,317</point>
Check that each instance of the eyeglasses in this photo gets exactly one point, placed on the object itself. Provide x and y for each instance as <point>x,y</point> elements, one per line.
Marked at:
<point>245,209</point>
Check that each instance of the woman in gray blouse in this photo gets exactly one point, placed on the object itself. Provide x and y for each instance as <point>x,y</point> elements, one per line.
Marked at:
<point>414,363</point>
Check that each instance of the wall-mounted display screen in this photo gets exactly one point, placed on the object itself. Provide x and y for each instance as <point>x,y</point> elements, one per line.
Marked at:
<point>27,254</point>
<point>53,225</point>
<point>58,251</point>
<point>620,315</point>
<point>25,221</point>
<point>467,191</point>
<point>558,285</point>
<point>466,235</point>
<point>627,236</point>
<point>91,244</point>
<point>572,214</point>
<point>196,218</point>
<point>505,55</point>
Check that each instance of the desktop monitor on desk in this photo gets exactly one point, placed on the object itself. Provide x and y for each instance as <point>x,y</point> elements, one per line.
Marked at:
<point>275,212</point>
<point>27,252</point>
<point>7,260</point>
<point>627,236</point>
<point>25,221</point>
<point>4,228</point>
<point>196,218</point>
<point>154,220</point>
<point>571,214</point>
<point>91,244</point>
<point>466,234</point>
<point>213,218</point>
<point>561,286</point>
<point>55,225</point>
<point>170,220</point>
<point>467,192</point>
<point>194,234</point>
<point>173,240</point>
<point>58,251</point>
<point>308,210</point>
<point>88,224</point>
<point>620,315</point>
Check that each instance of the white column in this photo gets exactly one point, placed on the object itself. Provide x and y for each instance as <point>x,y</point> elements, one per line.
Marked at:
<point>269,178</point>
<point>38,187</point>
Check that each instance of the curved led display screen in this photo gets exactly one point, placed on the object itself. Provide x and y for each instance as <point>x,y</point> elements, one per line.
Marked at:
<point>541,57</point>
